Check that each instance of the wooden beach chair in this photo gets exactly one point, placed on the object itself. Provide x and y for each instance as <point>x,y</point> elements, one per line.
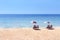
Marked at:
<point>36,27</point>
<point>50,27</point>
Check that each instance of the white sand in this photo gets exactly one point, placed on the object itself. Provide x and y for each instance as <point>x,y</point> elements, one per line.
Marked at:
<point>29,34</point>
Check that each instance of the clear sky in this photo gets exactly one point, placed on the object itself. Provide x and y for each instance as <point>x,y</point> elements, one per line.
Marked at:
<point>29,6</point>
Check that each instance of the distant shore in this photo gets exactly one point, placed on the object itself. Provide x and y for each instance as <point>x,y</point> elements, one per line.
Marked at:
<point>29,34</point>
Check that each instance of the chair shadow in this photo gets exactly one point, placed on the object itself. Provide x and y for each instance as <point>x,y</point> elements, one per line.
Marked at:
<point>37,29</point>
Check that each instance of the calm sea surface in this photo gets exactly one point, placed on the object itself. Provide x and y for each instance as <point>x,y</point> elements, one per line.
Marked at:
<point>24,20</point>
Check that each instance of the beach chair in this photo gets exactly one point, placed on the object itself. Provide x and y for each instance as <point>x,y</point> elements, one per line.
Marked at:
<point>36,27</point>
<point>50,27</point>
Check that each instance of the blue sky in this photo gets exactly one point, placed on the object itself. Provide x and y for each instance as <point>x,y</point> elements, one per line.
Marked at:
<point>29,6</point>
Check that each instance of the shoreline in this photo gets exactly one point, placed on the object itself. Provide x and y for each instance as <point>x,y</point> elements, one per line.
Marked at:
<point>29,28</point>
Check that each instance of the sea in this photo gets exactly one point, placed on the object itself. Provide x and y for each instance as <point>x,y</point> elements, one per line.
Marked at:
<point>24,20</point>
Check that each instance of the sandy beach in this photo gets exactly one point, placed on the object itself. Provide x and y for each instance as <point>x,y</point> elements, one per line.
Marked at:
<point>29,34</point>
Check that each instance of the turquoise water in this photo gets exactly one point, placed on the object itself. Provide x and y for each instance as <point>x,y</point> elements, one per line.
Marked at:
<point>24,20</point>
